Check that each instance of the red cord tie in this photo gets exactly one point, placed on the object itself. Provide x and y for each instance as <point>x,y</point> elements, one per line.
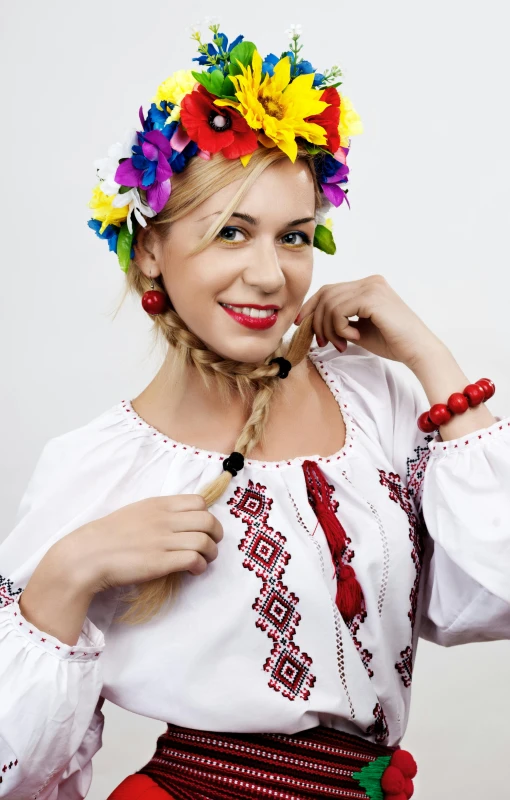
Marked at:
<point>458,403</point>
<point>349,594</point>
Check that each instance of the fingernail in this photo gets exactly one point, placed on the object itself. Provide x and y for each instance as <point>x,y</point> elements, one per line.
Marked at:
<point>296,320</point>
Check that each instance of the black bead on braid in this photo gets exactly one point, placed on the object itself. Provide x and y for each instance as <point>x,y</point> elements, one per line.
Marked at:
<point>285,366</point>
<point>233,463</point>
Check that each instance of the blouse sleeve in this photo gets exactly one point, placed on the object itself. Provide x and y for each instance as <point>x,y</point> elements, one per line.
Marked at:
<point>50,692</point>
<point>461,493</point>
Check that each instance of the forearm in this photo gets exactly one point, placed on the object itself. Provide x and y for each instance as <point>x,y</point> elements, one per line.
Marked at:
<point>54,600</point>
<point>440,375</point>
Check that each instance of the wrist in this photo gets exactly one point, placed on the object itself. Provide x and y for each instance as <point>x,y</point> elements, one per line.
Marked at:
<point>70,569</point>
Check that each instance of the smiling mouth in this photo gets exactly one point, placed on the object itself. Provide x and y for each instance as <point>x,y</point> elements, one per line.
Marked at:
<point>256,319</point>
<point>249,311</point>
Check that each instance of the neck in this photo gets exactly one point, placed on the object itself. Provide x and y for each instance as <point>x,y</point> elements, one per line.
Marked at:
<point>166,399</point>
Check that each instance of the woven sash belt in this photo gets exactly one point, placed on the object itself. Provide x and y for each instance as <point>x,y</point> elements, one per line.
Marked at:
<point>309,765</point>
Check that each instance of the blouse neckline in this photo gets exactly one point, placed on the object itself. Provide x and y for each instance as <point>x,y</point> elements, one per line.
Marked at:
<point>132,418</point>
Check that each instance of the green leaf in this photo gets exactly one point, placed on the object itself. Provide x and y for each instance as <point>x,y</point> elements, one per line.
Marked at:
<point>216,81</point>
<point>202,77</point>
<point>124,189</point>
<point>242,53</point>
<point>124,243</point>
<point>228,89</point>
<point>323,240</point>
<point>313,149</point>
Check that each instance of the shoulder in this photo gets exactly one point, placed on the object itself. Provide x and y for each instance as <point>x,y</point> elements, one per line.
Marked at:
<point>370,381</point>
<point>99,451</point>
<point>383,397</point>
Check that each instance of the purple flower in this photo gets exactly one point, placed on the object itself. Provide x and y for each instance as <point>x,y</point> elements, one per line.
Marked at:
<point>331,173</point>
<point>149,168</point>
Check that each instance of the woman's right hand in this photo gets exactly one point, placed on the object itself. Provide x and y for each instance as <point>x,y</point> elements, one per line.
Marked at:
<point>143,541</point>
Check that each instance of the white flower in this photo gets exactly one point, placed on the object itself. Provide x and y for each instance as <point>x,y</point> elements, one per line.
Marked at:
<point>107,167</point>
<point>210,21</point>
<point>137,206</point>
<point>294,30</point>
<point>322,212</point>
<point>194,30</point>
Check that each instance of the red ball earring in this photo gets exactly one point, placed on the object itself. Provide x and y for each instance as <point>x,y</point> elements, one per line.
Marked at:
<point>154,302</point>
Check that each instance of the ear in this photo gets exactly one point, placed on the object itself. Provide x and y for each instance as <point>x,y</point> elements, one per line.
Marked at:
<point>148,252</point>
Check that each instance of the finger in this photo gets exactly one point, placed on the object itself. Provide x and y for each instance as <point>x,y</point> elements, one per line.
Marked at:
<point>310,305</point>
<point>330,300</point>
<point>339,324</point>
<point>184,502</point>
<point>193,540</point>
<point>197,521</point>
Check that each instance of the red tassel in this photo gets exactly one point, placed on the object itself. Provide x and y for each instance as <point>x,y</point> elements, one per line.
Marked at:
<point>349,595</point>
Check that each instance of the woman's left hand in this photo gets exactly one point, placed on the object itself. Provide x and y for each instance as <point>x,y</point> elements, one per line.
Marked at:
<point>386,326</point>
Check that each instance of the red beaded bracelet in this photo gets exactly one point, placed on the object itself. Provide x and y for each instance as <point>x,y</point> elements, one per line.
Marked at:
<point>473,395</point>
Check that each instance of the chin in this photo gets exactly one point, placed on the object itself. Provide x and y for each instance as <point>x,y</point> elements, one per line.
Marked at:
<point>247,352</point>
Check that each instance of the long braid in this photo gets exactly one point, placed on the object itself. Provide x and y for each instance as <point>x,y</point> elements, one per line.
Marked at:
<point>259,382</point>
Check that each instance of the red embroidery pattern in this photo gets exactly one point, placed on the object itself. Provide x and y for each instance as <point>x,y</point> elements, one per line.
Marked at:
<point>415,470</point>
<point>400,494</point>
<point>405,667</point>
<point>379,729</point>
<point>8,766</point>
<point>7,594</point>
<point>365,655</point>
<point>288,667</point>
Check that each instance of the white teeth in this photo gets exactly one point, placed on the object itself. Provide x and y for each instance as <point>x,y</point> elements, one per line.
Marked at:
<point>251,312</point>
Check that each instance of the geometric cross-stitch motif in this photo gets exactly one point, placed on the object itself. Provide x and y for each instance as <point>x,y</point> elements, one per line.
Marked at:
<point>400,495</point>
<point>7,594</point>
<point>405,667</point>
<point>379,729</point>
<point>415,470</point>
<point>276,605</point>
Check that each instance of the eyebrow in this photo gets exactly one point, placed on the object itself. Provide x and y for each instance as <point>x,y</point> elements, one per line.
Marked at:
<point>254,221</point>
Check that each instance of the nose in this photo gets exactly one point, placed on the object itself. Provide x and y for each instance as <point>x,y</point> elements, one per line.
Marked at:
<point>264,270</point>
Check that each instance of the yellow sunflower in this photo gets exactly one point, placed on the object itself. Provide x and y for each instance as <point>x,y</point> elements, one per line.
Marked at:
<point>173,90</point>
<point>350,122</point>
<point>104,211</point>
<point>276,107</point>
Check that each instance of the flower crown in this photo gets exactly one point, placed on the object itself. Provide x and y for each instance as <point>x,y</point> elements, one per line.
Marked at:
<point>238,103</point>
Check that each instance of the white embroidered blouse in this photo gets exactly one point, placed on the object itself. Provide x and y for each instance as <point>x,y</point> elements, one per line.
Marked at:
<point>256,643</point>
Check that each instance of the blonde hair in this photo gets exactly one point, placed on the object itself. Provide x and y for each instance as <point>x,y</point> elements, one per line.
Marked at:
<point>256,384</point>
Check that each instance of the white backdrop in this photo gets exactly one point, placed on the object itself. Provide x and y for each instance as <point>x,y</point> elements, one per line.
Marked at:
<point>429,191</point>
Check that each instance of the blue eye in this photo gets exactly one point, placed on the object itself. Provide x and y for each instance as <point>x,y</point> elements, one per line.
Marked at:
<point>305,239</point>
<point>228,235</point>
<point>225,234</point>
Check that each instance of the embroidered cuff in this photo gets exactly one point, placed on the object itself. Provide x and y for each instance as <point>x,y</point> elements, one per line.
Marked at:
<point>499,429</point>
<point>89,646</point>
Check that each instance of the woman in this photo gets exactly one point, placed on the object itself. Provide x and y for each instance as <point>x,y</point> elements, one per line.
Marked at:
<point>250,549</point>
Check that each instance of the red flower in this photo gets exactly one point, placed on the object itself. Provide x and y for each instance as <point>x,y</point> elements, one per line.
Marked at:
<point>216,128</point>
<point>329,118</point>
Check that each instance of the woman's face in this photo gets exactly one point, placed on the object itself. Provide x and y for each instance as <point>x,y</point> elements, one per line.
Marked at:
<point>263,256</point>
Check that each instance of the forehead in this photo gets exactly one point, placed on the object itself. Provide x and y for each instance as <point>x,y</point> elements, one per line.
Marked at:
<point>283,190</point>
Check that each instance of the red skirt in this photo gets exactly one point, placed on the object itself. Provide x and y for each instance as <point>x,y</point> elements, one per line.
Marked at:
<point>309,765</point>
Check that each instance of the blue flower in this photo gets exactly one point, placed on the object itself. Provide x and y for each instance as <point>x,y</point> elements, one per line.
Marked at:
<point>214,51</point>
<point>269,64</point>
<point>178,161</point>
<point>296,69</point>
<point>326,166</point>
<point>156,119</point>
<point>111,233</point>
